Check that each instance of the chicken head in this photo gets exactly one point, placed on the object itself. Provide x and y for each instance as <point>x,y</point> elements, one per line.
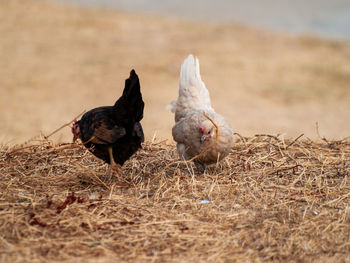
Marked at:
<point>207,131</point>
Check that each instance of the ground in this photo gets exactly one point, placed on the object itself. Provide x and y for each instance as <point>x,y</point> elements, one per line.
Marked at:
<point>270,200</point>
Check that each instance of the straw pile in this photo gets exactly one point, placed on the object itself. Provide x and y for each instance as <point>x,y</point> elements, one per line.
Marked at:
<point>271,200</point>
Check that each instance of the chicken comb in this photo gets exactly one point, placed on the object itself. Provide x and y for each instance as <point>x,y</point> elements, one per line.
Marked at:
<point>201,128</point>
<point>72,128</point>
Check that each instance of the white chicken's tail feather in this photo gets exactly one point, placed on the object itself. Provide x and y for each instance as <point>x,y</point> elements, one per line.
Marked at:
<point>192,90</point>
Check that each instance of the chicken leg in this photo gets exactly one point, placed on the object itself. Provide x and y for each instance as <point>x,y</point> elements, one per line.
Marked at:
<point>113,165</point>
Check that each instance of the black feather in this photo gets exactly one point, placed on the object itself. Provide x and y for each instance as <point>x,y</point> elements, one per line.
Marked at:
<point>116,126</point>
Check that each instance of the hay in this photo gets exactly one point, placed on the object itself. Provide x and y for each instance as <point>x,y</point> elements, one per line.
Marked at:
<point>270,200</point>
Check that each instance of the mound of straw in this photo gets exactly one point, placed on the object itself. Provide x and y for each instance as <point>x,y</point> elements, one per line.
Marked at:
<point>270,200</point>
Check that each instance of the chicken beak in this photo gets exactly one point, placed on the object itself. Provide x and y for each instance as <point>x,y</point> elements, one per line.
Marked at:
<point>207,136</point>
<point>75,131</point>
<point>203,138</point>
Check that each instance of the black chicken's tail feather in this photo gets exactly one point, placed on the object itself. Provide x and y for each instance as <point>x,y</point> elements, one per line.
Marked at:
<point>131,101</point>
<point>132,83</point>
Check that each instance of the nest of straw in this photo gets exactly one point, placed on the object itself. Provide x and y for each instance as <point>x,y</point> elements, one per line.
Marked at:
<point>270,200</point>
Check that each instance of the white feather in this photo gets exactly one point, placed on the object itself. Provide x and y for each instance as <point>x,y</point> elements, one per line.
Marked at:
<point>191,85</point>
<point>192,91</point>
<point>171,106</point>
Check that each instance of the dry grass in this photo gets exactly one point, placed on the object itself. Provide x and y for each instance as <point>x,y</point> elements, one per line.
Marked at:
<point>271,200</point>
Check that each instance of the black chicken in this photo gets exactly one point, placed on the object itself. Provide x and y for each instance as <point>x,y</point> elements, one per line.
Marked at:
<point>114,133</point>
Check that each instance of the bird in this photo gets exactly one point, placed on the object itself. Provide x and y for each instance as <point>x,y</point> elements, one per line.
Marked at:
<point>114,133</point>
<point>201,134</point>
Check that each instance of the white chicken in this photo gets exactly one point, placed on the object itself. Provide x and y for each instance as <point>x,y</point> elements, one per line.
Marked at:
<point>201,134</point>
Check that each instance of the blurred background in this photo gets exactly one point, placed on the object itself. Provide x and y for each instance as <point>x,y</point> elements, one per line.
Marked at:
<point>330,19</point>
<point>271,66</point>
